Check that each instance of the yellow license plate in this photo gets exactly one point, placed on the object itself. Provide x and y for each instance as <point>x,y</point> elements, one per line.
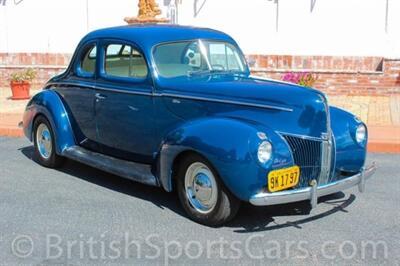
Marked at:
<point>283,178</point>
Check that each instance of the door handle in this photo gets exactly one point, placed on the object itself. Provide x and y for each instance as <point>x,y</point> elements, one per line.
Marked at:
<point>99,96</point>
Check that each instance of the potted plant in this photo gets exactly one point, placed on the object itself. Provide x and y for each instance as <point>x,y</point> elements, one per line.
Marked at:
<point>20,83</point>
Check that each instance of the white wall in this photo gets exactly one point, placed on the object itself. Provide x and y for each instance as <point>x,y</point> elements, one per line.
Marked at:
<point>56,26</point>
<point>332,27</point>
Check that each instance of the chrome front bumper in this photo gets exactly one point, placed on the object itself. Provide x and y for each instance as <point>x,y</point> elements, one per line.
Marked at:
<point>313,192</point>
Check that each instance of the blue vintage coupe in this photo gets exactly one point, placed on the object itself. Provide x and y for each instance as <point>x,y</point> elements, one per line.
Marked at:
<point>176,107</point>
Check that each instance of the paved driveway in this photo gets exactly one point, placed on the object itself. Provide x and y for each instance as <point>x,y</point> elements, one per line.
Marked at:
<point>79,215</point>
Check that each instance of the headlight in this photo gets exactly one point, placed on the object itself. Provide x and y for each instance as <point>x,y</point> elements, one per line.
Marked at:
<point>264,151</point>
<point>361,133</point>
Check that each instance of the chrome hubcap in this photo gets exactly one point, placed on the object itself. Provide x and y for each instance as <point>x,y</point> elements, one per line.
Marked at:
<point>43,140</point>
<point>201,187</point>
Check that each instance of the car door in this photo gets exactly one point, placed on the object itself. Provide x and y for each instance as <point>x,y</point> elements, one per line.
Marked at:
<point>124,103</point>
<point>77,91</point>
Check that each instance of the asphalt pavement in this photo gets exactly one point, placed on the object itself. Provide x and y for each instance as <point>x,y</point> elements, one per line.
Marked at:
<point>78,215</point>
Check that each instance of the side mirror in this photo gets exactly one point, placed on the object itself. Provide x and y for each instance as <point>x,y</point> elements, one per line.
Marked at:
<point>252,62</point>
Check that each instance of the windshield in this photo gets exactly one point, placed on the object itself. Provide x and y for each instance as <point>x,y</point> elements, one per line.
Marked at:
<point>198,57</point>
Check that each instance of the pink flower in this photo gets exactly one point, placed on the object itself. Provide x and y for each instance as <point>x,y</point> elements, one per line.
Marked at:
<point>306,79</point>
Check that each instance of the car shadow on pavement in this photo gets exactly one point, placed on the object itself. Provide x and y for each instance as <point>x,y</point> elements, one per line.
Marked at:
<point>249,218</point>
<point>258,219</point>
<point>156,195</point>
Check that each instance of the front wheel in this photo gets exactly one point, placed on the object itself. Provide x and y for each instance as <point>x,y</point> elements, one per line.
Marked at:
<point>202,194</point>
<point>45,144</point>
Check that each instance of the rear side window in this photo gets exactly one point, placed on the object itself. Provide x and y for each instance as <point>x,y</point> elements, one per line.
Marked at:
<point>124,61</point>
<point>88,61</point>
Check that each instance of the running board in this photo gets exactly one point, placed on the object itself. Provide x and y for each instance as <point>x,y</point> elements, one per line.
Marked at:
<point>134,171</point>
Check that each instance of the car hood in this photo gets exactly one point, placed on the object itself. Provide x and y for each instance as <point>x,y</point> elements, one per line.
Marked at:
<point>282,106</point>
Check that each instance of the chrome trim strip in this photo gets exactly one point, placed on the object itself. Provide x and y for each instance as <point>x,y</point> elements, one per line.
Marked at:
<point>333,157</point>
<point>124,91</point>
<point>326,148</point>
<point>171,95</point>
<point>102,88</point>
<point>70,84</point>
<point>226,101</point>
<point>266,199</point>
<point>299,136</point>
<point>325,162</point>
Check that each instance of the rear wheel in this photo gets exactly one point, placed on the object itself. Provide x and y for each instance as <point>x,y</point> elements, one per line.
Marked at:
<point>44,144</point>
<point>202,194</point>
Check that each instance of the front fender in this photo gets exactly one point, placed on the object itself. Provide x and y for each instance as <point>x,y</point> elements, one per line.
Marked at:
<point>230,145</point>
<point>350,156</point>
<point>49,104</point>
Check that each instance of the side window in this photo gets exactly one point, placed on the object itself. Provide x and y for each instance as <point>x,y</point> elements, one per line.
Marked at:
<point>124,61</point>
<point>88,61</point>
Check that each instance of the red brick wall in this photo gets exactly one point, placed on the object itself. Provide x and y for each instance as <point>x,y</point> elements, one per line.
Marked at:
<point>46,65</point>
<point>336,75</point>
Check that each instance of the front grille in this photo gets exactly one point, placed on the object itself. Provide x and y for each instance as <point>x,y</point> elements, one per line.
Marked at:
<point>306,155</point>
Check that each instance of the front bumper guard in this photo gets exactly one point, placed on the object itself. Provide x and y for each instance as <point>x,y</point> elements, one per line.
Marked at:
<point>313,192</point>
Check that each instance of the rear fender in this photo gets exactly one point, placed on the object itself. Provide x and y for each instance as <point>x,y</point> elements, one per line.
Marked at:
<point>49,104</point>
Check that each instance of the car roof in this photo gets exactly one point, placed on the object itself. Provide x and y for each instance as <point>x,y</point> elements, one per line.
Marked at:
<point>148,35</point>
